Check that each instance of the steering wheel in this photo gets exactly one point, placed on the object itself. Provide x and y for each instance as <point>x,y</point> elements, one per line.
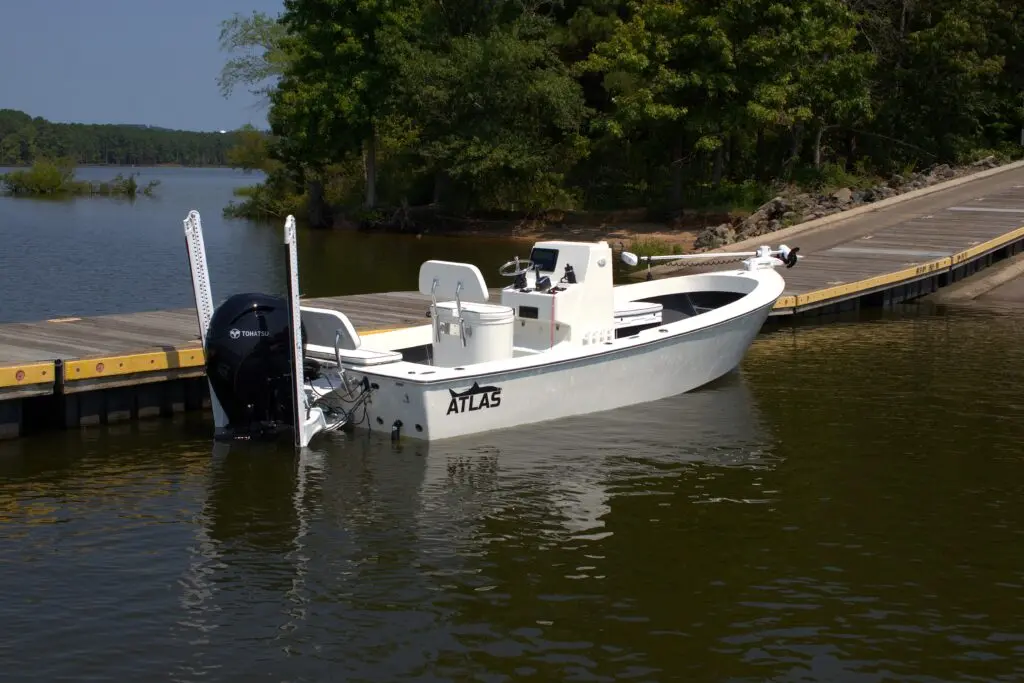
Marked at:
<point>521,268</point>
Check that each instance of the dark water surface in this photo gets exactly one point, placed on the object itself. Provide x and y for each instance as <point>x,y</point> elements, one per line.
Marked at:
<point>849,506</point>
<point>97,255</point>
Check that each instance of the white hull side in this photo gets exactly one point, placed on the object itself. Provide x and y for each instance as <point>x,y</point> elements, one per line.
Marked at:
<point>619,378</point>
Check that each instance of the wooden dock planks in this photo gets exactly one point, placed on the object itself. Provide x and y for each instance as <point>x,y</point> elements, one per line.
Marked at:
<point>116,350</point>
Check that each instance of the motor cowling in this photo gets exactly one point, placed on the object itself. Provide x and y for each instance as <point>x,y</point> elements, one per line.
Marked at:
<point>248,364</point>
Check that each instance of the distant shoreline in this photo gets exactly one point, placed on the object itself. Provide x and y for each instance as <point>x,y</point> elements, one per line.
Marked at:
<point>125,166</point>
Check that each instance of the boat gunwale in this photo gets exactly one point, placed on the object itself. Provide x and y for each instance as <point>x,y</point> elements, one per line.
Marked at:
<point>399,371</point>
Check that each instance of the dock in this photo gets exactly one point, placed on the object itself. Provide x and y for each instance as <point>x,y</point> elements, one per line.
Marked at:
<point>896,255</point>
<point>75,372</point>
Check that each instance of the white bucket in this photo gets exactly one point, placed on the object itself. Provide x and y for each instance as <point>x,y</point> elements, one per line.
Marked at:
<point>488,328</point>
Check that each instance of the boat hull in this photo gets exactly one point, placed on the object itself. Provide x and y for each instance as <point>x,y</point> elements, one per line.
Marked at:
<point>620,377</point>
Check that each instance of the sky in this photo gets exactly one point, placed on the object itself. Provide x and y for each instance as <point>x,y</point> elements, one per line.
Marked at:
<point>123,61</point>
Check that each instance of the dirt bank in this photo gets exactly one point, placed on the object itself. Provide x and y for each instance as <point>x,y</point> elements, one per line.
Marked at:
<point>631,228</point>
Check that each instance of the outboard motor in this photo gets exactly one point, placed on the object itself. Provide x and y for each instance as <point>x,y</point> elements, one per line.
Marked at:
<point>248,363</point>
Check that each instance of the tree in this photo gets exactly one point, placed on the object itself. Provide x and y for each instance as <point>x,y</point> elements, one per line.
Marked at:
<point>821,76</point>
<point>339,85</point>
<point>250,152</point>
<point>23,139</point>
<point>952,75</point>
<point>498,104</point>
<point>498,112</point>
<point>670,68</point>
<point>260,39</point>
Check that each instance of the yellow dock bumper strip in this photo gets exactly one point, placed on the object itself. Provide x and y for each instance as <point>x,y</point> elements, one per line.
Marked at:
<point>24,374</point>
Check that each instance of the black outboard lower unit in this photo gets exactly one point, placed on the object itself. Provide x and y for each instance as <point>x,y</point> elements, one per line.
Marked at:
<point>248,363</point>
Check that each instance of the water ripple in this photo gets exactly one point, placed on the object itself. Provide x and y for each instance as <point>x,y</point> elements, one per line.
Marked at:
<point>845,508</point>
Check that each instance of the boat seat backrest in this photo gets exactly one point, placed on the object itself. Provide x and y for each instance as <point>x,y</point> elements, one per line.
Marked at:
<point>323,324</point>
<point>450,274</point>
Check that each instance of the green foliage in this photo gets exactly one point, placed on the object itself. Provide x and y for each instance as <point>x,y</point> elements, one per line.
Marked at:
<point>259,39</point>
<point>743,197</point>
<point>832,176</point>
<point>24,139</point>
<point>56,178</point>
<point>652,246</point>
<point>45,177</point>
<point>500,115</point>
<point>262,201</point>
<point>603,104</point>
<point>251,151</point>
<point>339,81</point>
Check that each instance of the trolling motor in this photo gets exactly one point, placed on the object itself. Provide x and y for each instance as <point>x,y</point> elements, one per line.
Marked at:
<point>764,257</point>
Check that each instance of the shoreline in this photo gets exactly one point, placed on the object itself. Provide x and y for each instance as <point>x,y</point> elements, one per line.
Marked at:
<point>628,233</point>
<point>24,166</point>
<point>791,210</point>
<point>634,226</point>
<point>681,232</point>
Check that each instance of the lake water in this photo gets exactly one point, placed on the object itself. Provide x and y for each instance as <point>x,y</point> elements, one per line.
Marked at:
<point>95,255</point>
<point>845,507</point>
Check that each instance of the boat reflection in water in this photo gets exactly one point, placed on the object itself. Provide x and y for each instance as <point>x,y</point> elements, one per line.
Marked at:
<point>573,466</point>
<point>363,545</point>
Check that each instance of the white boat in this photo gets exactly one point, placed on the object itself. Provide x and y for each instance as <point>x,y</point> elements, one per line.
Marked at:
<point>564,340</point>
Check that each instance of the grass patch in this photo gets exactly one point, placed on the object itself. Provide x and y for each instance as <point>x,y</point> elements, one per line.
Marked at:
<point>652,246</point>
<point>833,176</point>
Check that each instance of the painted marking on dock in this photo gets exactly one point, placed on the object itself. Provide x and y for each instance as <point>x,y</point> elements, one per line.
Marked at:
<point>788,301</point>
<point>989,209</point>
<point>25,374</point>
<point>110,366</point>
<point>880,251</point>
<point>991,244</point>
